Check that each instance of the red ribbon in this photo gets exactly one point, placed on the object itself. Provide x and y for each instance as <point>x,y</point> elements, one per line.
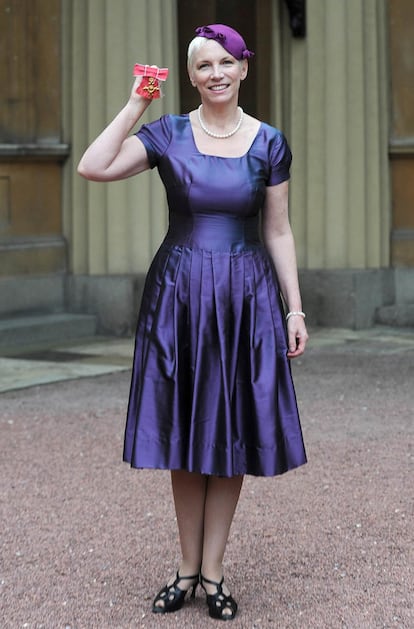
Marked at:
<point>160,74</point>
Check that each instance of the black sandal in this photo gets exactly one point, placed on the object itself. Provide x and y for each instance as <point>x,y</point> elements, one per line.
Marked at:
<point>220,605</point>
<point>172,596</point>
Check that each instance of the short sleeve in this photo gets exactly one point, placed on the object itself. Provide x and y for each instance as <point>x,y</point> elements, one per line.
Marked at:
<point>280,158</point>
<point>156,137</point>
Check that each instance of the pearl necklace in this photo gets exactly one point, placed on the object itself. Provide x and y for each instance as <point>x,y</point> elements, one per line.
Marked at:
<point>220,136</point>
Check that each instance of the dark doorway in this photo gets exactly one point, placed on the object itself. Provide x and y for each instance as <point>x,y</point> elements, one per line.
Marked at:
<point>252,18</point>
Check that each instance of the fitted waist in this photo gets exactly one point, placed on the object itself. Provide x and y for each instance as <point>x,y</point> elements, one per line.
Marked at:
<point>218,232</point>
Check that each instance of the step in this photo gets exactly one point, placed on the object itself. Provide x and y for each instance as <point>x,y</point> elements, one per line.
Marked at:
<point>35,330</point>
<point>400,315</point>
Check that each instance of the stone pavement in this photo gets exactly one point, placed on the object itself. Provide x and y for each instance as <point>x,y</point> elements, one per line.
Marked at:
<point>45,364</point>
<point>86,542</point>
<point>67,361</point>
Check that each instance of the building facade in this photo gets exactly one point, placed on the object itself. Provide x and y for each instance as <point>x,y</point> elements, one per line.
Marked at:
<point>336,76</point>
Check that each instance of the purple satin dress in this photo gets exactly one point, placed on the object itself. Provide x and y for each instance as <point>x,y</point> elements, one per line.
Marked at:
<point>211,388</point>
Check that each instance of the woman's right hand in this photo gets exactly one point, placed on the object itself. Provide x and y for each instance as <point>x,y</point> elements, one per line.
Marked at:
<point>135,96</point>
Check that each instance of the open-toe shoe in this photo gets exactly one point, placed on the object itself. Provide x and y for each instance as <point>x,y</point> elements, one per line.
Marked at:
<point>221,606</point>
<point>171,597</point>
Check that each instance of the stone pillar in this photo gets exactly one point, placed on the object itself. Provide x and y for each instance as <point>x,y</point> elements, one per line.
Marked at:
<point>334,109</point>
<point>112,228</point>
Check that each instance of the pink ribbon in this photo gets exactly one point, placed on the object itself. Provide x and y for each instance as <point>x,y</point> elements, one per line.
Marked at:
<point>160,74</point>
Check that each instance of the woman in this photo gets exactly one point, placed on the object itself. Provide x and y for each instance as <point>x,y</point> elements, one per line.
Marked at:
<point>212,397</point>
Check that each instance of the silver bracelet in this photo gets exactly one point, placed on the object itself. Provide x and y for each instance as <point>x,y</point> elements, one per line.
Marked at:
<point>294,313</point>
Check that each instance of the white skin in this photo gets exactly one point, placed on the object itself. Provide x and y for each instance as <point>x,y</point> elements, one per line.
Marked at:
<point>205,505</point>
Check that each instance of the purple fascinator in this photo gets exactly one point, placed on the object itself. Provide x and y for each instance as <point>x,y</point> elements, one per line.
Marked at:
<point>227,37</point>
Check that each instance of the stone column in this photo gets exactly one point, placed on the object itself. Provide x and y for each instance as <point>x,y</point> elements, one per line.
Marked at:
<point>334,109</point>
<point>113,228</point>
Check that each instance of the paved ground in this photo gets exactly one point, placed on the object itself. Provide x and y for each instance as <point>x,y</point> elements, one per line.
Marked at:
<point>86,542</point>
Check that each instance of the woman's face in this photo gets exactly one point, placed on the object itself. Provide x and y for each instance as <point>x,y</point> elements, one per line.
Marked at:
<point>216,73</point>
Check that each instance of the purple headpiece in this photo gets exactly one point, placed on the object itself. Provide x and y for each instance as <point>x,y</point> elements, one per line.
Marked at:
<point>227,37</point>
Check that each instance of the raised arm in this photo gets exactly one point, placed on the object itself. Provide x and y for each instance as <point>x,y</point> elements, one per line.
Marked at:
<point>115,154</point>
<point>278,239</point>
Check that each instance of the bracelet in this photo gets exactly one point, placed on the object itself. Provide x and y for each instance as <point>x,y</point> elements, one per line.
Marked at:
<point>294,313</point>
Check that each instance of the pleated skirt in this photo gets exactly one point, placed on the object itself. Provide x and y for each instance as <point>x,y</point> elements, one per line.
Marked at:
<point>211,388</point>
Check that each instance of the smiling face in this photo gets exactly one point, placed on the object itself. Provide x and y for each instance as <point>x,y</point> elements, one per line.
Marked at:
<point>215,72</point>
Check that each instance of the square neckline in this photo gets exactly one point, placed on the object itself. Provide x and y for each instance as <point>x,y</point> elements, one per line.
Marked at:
<point>222,156</point>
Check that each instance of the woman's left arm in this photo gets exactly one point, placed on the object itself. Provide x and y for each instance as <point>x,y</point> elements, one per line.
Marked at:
<point>279,241</point>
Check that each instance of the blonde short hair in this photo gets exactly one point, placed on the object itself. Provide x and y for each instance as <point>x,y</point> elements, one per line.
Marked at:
<point>194,46</point>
